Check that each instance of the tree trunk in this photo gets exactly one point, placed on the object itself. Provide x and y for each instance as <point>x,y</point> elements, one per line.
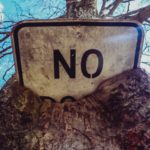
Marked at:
<point>81,9</point>
<point>115,117</point>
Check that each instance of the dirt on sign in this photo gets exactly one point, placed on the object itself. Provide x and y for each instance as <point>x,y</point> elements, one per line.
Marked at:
<point>69,58</point>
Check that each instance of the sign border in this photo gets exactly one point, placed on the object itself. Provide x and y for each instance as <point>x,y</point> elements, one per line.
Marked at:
<point>60,22</point>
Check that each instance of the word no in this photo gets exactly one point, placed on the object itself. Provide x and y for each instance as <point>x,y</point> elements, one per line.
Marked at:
<point>71,69</point>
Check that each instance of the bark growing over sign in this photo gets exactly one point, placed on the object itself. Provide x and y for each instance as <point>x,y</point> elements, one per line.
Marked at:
<point>74,9</point>
<point>114,117</point>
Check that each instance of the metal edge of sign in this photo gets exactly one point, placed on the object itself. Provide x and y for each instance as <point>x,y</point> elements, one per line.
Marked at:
<point>83,22</point>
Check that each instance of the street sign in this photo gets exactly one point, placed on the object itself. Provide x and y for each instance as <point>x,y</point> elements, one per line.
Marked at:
<point>69,58</point>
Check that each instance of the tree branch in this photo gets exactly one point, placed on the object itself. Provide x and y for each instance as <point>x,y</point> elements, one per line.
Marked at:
<point>7,33</point>
<point>5,54</point>
<point>7,72</point>
<point>102,8</point>
<point>5,49</point>
<point>114,6</point>
<point>141,14</point>
<point>4,38</point>
<point>146,63</point>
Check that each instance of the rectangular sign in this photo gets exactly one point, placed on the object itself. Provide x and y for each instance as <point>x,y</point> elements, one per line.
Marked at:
<point>68,59</point>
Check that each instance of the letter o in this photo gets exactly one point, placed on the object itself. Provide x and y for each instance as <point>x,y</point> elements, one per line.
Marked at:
<point>84,61</point>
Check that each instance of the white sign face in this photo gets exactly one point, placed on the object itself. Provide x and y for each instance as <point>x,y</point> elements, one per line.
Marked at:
<point>58,59</point>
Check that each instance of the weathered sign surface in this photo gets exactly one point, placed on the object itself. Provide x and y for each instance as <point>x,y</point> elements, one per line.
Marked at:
<point>59,58</point>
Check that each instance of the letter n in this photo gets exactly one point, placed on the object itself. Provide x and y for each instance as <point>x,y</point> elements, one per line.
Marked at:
<point>59,59</point>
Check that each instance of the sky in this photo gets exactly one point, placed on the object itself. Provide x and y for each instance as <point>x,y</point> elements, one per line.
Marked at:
<point>1,12</point>
<point>13,8</point>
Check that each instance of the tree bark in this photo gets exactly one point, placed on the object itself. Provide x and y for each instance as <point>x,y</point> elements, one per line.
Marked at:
<point>114,117</point>
<point>81,9</point>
